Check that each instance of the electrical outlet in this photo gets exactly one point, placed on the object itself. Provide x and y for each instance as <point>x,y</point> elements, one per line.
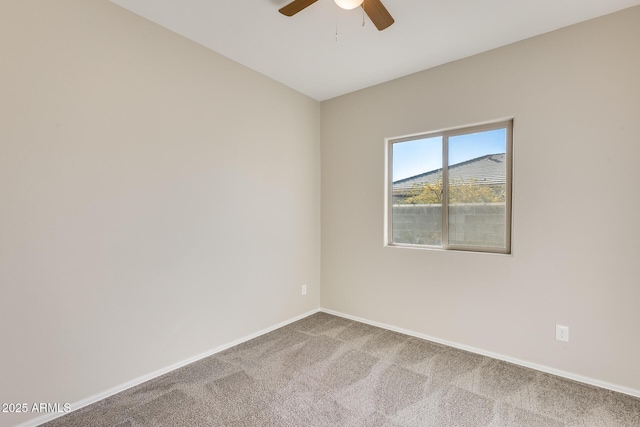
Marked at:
<point>562,333</point>
<point>303,290</point>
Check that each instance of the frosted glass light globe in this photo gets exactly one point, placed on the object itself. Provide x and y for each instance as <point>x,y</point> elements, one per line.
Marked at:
<point>348,4</point>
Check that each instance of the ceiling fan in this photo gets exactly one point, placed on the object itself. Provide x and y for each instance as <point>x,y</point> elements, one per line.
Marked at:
<point>376,11</point>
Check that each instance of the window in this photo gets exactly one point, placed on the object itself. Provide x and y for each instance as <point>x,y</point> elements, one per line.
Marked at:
<point>451,189</point>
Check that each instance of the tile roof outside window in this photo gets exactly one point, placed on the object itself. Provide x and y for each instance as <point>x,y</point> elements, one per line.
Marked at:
<point>486,170</point>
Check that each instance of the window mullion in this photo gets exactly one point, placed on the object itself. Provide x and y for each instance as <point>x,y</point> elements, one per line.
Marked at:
<point>445,191</point>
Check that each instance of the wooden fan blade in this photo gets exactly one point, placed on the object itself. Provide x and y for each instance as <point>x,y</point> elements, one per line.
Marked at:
<point>296,6</point>
<point>378,14</point>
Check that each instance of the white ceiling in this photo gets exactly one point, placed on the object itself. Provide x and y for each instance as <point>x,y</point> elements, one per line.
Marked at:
<point>302,51</point>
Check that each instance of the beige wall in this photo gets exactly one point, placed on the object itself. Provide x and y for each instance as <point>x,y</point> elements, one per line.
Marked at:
<point>575,97</point>
<point>156,200</point>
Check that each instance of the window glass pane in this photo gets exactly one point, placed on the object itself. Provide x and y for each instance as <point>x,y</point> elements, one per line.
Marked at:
<point>477,189</point>
<point>416,213</point>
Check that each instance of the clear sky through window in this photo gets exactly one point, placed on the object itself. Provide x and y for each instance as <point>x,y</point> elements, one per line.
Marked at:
<point>414,157</point>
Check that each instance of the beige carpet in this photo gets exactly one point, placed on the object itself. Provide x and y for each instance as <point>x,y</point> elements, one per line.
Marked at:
<point>328,371</point>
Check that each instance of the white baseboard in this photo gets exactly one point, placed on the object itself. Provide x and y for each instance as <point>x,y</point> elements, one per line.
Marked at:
<point>122,387</point>
<point>542,368</point>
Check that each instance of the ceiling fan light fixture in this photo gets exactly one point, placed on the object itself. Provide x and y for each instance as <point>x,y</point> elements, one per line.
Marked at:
<point>348,4</point>
<point>374,9</point>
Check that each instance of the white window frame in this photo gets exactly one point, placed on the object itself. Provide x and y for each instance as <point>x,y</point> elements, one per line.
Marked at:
<point>445,134</point>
